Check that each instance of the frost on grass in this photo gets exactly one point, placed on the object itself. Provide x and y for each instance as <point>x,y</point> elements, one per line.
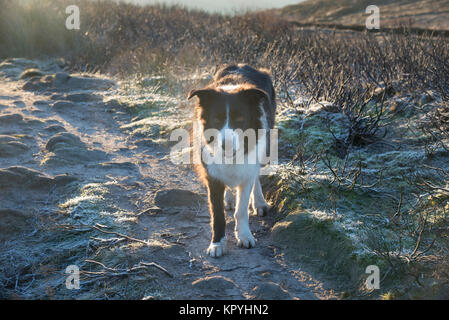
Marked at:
<point>155,106</point>
<point>91,205</point>
<point>351,203</point>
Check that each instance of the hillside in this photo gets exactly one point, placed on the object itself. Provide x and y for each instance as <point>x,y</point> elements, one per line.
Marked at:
<point>91,175</point>
<point>432,14</point>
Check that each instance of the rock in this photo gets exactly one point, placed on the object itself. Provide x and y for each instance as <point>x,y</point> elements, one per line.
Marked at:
<point>177,198</point>
<point>11,118</point>
<point>270,291</point>
<point>63,139</point>
<point>63,105</point>
<point>61,78</point>
<point>13,148</point>
<point>10,146</point>
<point>26,178</point>
<point>12,222</point>
<point>70,155</point>
<point>34,123</point>
<point>83,97</point>
<point>30,85</point>
<point>63,179</point>
<point>38,83</point>
<point>55,128</point>
<point>68,148</point>
<point>38,113</point>
<point>40,103</point>
<point>29,73</point>
<point>19,104</point>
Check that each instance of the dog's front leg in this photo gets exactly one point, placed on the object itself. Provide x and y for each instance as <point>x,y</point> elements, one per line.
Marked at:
<point>216,190</point>
<point>242,231</point>
<point>260,206</point>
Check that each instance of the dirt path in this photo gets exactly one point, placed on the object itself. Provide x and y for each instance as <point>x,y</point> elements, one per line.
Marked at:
<point>72,135</point>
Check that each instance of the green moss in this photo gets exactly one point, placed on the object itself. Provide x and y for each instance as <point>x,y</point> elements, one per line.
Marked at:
<point>316,243</point>
<point>289,130</point>
<point>315,133</point>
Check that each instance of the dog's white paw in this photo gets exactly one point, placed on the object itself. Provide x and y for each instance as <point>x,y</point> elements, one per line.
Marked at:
<point>217,249</point>
<point>245,239</point>
<point>262,211</point>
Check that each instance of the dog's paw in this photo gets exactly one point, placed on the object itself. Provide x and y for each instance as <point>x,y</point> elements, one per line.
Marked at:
<point>229,201</point>
<point>217,249</point>
<point>262,211</point>
<point>245,239</point>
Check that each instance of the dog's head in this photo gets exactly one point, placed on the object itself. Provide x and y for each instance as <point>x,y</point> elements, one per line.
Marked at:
<point>231,114</point>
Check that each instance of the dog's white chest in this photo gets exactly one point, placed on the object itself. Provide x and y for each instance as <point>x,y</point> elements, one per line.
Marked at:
<point>233,175</point>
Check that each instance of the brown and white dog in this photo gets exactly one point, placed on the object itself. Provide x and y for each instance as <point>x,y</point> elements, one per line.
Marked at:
<point>239,99</point>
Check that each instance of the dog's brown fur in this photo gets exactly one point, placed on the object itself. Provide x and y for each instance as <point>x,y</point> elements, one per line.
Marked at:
<point>239,97</point>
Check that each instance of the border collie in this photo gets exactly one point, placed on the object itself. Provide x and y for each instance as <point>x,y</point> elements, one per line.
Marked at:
<point>238,98</point>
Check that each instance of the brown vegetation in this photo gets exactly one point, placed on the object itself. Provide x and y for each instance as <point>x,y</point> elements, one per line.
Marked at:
<point>355,72</point>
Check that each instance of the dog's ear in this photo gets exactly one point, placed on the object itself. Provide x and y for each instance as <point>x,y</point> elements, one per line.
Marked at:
<point>254,96</point>
<point>203,94</point>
